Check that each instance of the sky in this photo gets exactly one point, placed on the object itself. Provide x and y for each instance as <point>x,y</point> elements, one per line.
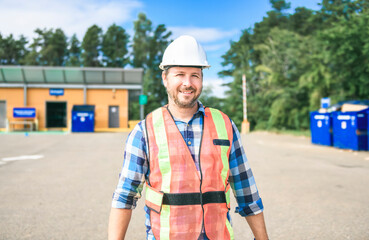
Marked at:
<point>213,23</point>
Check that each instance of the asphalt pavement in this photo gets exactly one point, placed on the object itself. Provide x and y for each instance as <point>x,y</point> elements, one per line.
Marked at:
<point>59,186</point>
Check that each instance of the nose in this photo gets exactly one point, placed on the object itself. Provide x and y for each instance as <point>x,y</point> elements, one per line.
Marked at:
<point>186,81</point>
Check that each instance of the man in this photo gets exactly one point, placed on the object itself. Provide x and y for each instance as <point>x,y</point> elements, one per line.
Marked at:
<point>189,156</point>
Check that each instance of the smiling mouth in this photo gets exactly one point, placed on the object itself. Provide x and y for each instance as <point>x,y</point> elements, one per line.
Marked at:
<point>186,92</point>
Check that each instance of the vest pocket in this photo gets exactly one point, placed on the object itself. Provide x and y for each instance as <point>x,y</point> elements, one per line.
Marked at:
<point>154,199</point>
<point>221,142</point>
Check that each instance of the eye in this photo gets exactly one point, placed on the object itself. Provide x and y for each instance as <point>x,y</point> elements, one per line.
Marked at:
<point>196,76</point>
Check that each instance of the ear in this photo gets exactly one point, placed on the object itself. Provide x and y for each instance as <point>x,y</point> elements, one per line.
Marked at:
<point>165,80</point>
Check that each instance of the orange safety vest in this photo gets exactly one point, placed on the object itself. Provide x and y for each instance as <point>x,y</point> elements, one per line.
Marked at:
<point>181,198</point>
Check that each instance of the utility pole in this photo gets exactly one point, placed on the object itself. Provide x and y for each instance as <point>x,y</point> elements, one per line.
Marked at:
<point>245,124</point>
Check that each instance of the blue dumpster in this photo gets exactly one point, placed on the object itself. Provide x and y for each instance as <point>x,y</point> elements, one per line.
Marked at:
<point>321,128</point>
<point>350,130</point>
<point>83,118</point>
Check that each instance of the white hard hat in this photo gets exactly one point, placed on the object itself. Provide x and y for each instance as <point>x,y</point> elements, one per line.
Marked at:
<point>184,51</point>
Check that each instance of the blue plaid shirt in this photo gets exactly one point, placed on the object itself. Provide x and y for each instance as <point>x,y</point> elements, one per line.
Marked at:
<point>135,169</point>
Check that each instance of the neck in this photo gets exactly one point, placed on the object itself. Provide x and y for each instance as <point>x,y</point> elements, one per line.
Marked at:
<point>184,114</point>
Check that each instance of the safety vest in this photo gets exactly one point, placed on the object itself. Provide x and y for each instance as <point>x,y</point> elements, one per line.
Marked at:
<point>181,198</point>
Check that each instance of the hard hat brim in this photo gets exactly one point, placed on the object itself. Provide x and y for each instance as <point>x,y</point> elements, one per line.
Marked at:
<point>166,67</point>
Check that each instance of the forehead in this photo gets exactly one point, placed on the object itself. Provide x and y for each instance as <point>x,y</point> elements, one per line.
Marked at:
<point>189,70</point>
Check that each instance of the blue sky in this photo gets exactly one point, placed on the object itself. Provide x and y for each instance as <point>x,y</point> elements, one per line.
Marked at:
<point>214,23</point>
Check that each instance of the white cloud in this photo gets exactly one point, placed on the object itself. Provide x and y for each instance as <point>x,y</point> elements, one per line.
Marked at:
<point>204,35</point>
<point>215,84</point>
<point>215,47</point>
<point>23,16</point>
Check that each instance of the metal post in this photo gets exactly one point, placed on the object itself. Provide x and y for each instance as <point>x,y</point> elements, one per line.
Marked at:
<point>25,95</point>
<point>244,97</point>
<point>84,94</point>
<point>142,108</point>
<point>245,123</point>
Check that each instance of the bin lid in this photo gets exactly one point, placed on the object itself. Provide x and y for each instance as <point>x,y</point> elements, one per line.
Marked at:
<point>83,108</point>
<point>348,107</point>
<point>338,106</point>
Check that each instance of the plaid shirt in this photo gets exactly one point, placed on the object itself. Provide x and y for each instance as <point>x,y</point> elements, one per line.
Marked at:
<point>135,169</point>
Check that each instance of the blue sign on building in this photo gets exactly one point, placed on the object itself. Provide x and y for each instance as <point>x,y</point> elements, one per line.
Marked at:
<point>24,112</point>
<point>56,91</point>
<point>325,102</point>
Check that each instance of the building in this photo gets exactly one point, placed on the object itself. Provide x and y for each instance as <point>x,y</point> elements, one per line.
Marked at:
<point>51,92</point>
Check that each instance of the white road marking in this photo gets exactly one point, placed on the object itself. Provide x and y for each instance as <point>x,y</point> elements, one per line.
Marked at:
<point>21,158</point>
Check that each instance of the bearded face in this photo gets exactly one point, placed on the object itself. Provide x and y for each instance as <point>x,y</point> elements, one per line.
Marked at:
<point>183,85</point>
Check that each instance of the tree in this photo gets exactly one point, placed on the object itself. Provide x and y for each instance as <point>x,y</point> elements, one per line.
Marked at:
<point>55,52</point>
<point>33,56</point>
<point>238,58</point>
<point>346,50</point>
<point>12,51</point>
<point>49,48</point>
<point>153,85</point>
<point>208,99</point>
<point>114,47</point>
<point>91,46</point>
<point>293,60</point>
<point>74,52</point>
<point>141,41</point>
<point>148,48</point>
<point>280,5</point>
<point>303,22</point>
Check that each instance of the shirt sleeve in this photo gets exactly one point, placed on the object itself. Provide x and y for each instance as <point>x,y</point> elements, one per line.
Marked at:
<point>242,180</point>
<point>135,166</point>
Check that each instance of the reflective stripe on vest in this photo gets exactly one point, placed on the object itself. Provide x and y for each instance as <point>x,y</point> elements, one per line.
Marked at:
<point>181,201</point>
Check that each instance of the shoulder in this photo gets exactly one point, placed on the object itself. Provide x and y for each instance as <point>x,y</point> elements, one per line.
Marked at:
<point>150,115</point>
<point>138,132</point>
<point>214,111</point>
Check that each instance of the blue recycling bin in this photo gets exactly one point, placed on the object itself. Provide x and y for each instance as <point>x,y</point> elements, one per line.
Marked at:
<point>367,132</point>
<point>321,128</point>
<point>83,118</point>
<point>350,130</point>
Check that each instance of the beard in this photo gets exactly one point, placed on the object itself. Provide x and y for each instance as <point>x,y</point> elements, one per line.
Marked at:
<point>186,102</point>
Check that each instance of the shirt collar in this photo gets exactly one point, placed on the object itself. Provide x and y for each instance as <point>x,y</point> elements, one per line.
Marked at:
<point>201,108</point>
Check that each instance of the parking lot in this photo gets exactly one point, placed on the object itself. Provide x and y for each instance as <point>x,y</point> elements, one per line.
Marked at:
<point>59,186</point>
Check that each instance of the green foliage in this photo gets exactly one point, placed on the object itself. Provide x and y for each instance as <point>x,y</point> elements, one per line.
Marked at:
<point>280,5</point>
<point>290,60</point>
<point>148,47</point>
<point>134,106</point>
<point>141,41</point>
<point>12,51</point>
<point>208,99</point>
<point>293,60</point>
<point>49,48</point>
<point>91,46</point>
<point>98,49</point>
<point>347,50</point>
<point>114,47</point>
<point>74,52</point>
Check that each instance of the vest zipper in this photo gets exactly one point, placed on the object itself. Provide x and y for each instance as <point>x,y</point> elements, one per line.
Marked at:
<point>202,206</point>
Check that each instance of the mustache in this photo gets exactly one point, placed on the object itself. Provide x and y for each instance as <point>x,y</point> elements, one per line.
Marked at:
<point>187,89</point>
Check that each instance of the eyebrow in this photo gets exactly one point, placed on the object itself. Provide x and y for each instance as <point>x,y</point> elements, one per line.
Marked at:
<point>179,71</point>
